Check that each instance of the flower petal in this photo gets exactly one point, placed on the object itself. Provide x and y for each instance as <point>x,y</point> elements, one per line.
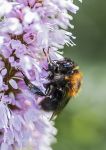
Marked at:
<point>13,83</point>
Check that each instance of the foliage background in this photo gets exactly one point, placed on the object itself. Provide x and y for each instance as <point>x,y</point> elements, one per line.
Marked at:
<point>82,124</point>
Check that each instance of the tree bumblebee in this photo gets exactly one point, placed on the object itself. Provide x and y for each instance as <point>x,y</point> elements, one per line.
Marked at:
<point>64,81</point>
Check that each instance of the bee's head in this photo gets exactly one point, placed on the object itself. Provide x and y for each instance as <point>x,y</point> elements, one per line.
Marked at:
<point>67,66</point>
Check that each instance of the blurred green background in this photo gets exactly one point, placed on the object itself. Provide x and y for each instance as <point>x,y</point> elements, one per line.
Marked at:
<point>82,124</point>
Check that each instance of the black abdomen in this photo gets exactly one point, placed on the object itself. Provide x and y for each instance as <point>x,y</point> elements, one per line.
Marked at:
<point>51,102</point>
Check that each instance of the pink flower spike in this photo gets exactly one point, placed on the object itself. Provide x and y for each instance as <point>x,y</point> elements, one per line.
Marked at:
<point>27,29</point>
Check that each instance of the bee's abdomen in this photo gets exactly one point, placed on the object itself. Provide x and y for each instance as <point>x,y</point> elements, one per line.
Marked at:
<point>48,104</point>
<point>52,101</point>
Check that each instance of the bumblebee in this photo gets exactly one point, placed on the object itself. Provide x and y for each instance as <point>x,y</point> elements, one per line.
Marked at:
<point>64,81</point>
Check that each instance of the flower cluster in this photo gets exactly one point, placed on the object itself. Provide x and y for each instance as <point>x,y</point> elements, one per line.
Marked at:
<point>26,28</point>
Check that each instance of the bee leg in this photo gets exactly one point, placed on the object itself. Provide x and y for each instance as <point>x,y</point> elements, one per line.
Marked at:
<point>47,55</point>
<point>45,69</point>
<point>47,90</point>
<point>53,116</point>
<point>47,87</point>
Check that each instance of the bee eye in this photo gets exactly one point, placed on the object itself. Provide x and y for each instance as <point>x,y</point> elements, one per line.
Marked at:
<point>66,65</point>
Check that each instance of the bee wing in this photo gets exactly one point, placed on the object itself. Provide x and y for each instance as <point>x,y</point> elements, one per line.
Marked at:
<point>34,89</point>
<point>63,103</point>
